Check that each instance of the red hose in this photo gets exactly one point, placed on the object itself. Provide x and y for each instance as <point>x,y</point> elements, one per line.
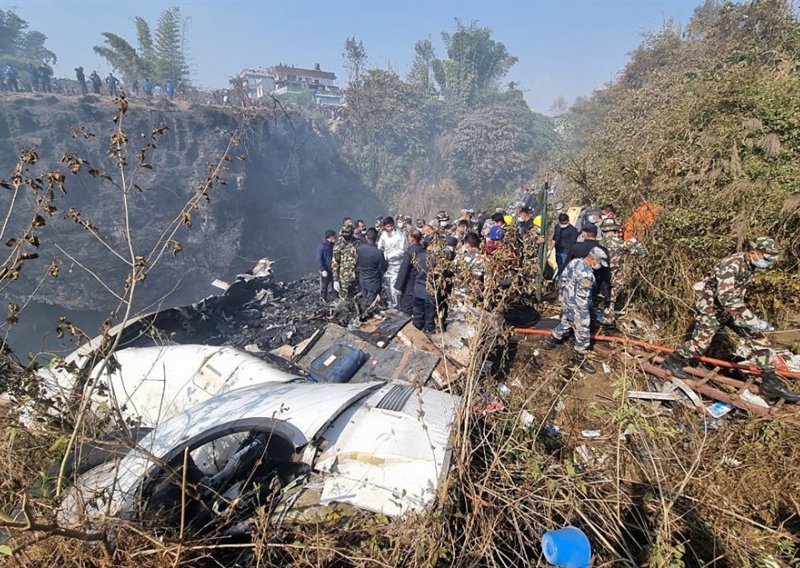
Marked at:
<point>660,348</point>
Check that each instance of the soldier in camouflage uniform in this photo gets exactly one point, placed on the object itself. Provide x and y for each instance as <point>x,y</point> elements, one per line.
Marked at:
<point>618,249</point>
<point>577,285</point>
<point>722,302</point>
<point>345,255</point>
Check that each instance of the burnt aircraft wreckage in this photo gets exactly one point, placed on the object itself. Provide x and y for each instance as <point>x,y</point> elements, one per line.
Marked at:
<point>258,398</point>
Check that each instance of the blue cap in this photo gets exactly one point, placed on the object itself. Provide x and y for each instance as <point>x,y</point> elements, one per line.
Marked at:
<point>496,233</point>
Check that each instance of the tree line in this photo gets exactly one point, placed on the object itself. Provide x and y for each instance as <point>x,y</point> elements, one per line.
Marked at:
<point>703,121</point>
<point>449,131</point>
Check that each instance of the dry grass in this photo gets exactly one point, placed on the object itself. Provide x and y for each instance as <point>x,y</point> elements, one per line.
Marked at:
<point>656,489</point>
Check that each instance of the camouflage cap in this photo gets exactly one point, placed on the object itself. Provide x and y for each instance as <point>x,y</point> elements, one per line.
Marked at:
<point>600,255</point>
<point>610,225</point>
<point>442,216</point>
<point>346,230</point>
<point>766,245</point>
<point>420,223</point>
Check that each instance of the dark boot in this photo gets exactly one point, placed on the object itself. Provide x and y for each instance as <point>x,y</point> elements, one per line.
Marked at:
<point>582,363</point>
<point>773,387</point>
<point>674,363</point>
<point>551,343</point>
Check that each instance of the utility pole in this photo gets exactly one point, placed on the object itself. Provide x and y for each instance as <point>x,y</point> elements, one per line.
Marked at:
<point>543,247</point>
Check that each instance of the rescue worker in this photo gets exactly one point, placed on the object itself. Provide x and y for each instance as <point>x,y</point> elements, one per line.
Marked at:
<point>324,260</point>
<point>442,274</point>
<point>722,302</point>
<point>371,265</point>
<point>345,256</point>
<point>96,81</point>
<point>577,284</point>
<point>618,249</point>
<point>524,222</point>
<point>442,223</point>
<point>602,275</point>
<point>10,78</point>
<point>407,273</point>
<point>112,83</point>
<point>470,267</point>
<point>393,244</point>
<point>424,309</point>
<point>81,79</point>
<point>565,236</point>
<point>461,230</point>
<point>587,215</point>
<point>402,227</point>
<point>33,76</point>
<point>361,231</point>
<point>495,234</point>
<point>45,72</point>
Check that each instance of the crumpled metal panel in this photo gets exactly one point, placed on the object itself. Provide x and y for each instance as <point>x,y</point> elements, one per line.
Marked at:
<point>389,461</point>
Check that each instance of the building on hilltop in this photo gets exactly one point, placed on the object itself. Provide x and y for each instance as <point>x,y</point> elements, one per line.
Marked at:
<point>256,83</point>
<point>295,80</point>
<point>288,80</point>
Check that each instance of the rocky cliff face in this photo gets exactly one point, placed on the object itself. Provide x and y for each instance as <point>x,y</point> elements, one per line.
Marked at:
<point>277,202</point>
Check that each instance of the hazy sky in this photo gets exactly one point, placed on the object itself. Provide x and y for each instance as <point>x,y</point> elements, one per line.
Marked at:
<point>566,47</point>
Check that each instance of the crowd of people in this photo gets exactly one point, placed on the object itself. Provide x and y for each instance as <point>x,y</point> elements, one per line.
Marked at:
<point>38,78</point>
<point>147,88</point>
<point>417,266</point>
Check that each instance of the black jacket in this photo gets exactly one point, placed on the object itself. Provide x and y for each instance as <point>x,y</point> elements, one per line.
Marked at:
<point>565,238</point>
<point>325,257</point>
<point>602,275</point>
<point>371,265</point>
<point>407,272</point>
<point>425,262</point>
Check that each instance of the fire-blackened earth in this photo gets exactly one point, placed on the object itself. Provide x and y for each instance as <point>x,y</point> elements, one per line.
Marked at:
<point>253,311</point>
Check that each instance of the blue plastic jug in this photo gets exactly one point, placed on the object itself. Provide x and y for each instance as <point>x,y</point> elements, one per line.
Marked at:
<point>567,548</point>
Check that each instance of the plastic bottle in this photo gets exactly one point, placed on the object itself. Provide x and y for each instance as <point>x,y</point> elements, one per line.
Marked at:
<point>567,548</point>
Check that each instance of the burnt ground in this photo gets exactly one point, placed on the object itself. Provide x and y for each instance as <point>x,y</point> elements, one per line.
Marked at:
<point>255,312</point>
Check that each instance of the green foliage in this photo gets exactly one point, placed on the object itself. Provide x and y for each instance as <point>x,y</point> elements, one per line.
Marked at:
<point>475,64</point>
<point>170,60</point>
<point>160,61</point>
<point>122,57</point>
<point>387,129</point>
<point>498,146</point>
<point>422,74</point>
<point>20,46</point>
<point>705,123</point>
<point>355,57</point>
<point>423,150</point>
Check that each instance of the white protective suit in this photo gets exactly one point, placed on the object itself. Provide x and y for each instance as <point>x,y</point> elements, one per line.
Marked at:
<point>394,246</point>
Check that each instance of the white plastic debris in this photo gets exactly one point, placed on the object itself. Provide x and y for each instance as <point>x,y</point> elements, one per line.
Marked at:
<point>221,284</point>
<point>503,389</point>
<point>753,399</point>
<point>719,409</point>
<point>606,369</point>
<point>591,433</point>
<point>527,419</point>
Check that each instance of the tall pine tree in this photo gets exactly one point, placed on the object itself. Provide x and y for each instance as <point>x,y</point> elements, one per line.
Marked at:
<point>170,60</point>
